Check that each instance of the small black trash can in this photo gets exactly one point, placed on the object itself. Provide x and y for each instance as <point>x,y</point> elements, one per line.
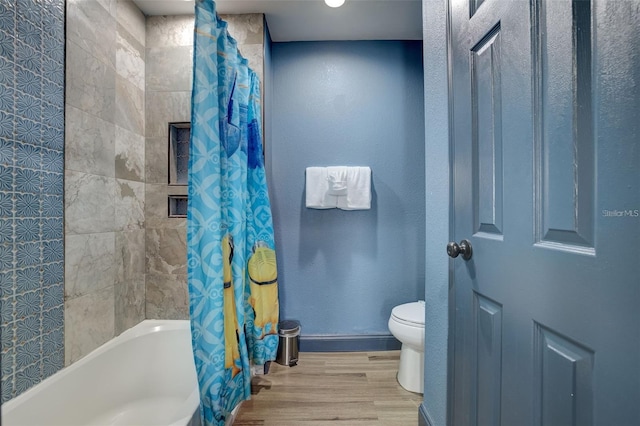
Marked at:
<point>288,342</point>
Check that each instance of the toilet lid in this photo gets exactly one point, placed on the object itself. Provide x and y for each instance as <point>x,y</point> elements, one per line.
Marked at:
<point>410,313</point>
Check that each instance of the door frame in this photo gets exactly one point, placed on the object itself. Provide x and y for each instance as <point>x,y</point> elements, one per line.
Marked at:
<point>434,410</point>
<point>452,288</point>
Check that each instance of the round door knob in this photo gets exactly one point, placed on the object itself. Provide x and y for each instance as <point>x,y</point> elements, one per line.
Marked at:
<point>464,248</point>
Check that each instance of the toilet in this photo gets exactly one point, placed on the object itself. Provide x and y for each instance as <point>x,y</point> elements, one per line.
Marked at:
<point>406,323</point>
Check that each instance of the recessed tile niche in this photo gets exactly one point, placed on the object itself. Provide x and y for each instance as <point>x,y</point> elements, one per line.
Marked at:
<point>178,205</point>
<point>179,134</point>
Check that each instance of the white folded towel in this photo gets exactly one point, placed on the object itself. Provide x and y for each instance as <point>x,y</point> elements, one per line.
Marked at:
<point>337,179</point>
<point>347,188</point>
<point>358,189</point>
<point>317,188</point>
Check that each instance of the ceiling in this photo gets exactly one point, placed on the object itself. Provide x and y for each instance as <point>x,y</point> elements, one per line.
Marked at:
<point>310,20</point>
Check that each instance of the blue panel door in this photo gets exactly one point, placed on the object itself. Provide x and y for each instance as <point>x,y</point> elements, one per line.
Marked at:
<point>545,101</point>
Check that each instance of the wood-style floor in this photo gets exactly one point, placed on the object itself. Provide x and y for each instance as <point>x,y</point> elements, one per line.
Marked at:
<point>346,388</point>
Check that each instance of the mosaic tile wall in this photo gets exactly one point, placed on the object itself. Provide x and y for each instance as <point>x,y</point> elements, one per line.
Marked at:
<point>32,49</point>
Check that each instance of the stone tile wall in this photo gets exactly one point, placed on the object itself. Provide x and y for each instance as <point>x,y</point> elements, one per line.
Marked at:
<point>104,172</point>
<point>169,56</point>
<point>31,188</point>
<point>248,30</point>
<point>59,303</point>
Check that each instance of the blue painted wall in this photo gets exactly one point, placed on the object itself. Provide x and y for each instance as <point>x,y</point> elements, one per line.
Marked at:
<point>348,103</point>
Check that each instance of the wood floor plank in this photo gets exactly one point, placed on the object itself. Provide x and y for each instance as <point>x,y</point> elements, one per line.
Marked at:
<point>343,388</point>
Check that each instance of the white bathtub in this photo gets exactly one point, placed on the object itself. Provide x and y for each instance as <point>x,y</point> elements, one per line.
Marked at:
<point>145,376</point>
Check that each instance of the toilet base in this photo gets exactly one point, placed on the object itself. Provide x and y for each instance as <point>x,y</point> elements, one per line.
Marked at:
<point>411,369</point>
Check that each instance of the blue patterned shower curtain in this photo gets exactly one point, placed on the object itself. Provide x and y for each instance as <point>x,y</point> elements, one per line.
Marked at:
<point>233,289</point>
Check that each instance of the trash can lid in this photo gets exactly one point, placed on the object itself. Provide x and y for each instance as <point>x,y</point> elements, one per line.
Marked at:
<point>287,327</point>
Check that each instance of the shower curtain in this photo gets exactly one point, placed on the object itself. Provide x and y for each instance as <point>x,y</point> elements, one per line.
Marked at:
<point>233,288</point>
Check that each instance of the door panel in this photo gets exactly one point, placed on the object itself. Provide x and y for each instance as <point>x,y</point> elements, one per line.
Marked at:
<point>486,130</point>
<point>563,386</point>
<point>488,354</point>
<point>565,163</point>
<point>545,101</point>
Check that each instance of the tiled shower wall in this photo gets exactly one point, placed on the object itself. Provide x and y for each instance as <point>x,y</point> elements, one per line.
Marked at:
<point>168,75</point>
<point>99,291</point>
<point>31,188</point>
<point>104,172</point>
<point>169,58</point>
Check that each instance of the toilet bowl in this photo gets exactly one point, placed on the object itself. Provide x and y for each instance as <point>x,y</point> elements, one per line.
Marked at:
<point>406,323</point>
